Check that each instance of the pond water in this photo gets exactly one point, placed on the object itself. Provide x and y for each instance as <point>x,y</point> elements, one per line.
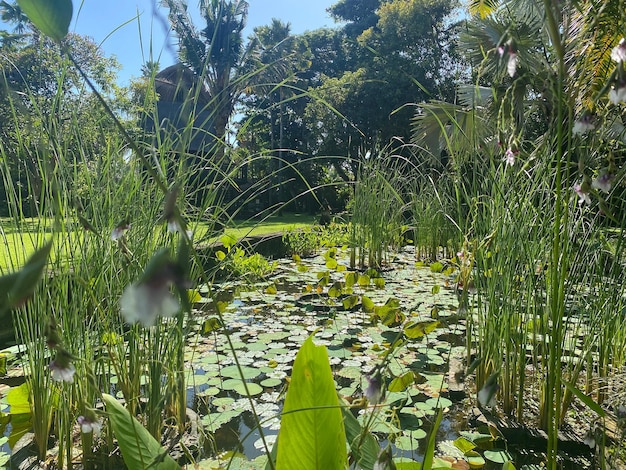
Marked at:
<point>267,322</point>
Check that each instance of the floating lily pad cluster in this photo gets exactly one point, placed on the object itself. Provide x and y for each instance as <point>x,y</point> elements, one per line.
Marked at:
<point>357,316</point>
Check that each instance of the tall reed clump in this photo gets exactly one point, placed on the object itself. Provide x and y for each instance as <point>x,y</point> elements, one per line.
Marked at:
<point>376,211</point>
<point>537,199</point>
<point>119,217</point>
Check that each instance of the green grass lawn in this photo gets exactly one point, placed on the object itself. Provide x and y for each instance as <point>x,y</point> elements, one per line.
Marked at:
<point>18,243</point>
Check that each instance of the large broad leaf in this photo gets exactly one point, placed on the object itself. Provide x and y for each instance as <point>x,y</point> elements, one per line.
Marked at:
<point>363,445</point>
<point>312,435</point>
<point>17,287</point>
<point>139,449</point>
<point>51,17</point>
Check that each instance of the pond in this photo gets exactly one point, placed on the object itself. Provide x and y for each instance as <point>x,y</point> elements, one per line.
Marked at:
<point>268,321</point>
<point>407,317</point>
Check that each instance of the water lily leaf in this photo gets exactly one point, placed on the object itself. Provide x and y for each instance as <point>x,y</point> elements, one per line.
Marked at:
<point>408,442</point>
<point>435,289</point>
<point>51,17</point>
<point>364,280</point>
<point>416,330</point>
<point>312,434</point>
<point>350,302</point>
<point>18,399</point>
<point>271,289</point>
<point>407,464</point>
<point>238,386</point>
<point>464,445</point>
<point>351,278</point>
<point>497,456</point>
<point>211,324</point>
<point>368,304</point>
<point>475,460</point>
<point>213,421</point>
<point>439,402</point>
<point>379,282</point>
<point>271,382</point>
<point>436,267</point>
<point>331,263</point>
<point>400,384</point>
<point>336,290</point>
<point>234,373</point>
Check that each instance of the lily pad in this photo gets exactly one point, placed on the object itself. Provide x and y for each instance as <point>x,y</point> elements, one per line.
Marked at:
<point>497,456</point>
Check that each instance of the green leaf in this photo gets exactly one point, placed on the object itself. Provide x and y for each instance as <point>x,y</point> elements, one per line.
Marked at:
<point>464,445</point>
<point>363,445</point>
<point>483,8</point>
<point>585,399</point>
<point>436,267</point>
<point>139,449</point>
<point>51,17</point>
<point>271,289</point>
<point>352,278</point>
<point>211,324</point>
<point>336,290</point>
<point>368,304</point>
<point>364,280</point>
<point>474,459</point>
<point>312,435</point>
<point>379,282</point>
<point>350,302</point>
<point>220,255</point>
<point>18,399</point>
<point>429,454</point>
<point>497,455</point>
<point>19,286</point>
<point>419,329</point>
<point>508,465</point>
<point>400,384</point>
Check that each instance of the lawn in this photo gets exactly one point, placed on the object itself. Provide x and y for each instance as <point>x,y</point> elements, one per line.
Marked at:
<point>18,242</point>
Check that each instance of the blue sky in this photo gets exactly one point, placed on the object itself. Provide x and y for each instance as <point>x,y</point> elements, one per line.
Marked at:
<point>115,26</point>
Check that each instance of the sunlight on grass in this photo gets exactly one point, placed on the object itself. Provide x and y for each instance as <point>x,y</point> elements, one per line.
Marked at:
<point>18,243</point>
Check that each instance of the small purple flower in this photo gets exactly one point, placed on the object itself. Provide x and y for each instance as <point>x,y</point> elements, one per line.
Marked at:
<point>603,182</point>
<point>618,54</point>
<point>583,125</point>
<point>583,193</point>
<point>89,424</point>
<point>61,368</point>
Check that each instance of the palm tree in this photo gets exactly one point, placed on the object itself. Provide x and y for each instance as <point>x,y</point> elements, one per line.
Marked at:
<point>214,55</point>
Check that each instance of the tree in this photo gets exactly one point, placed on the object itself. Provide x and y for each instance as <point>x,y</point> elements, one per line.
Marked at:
<point>404,58</point>
<point>215,55</point>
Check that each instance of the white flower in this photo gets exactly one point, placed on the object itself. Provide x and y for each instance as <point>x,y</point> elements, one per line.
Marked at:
<point>603,182</point>
<point>617,94</point>
<point>144,302</point>
<point>173,226</point>
<point>582,194</point>
<point>88,425</point>
<point>511,64</point>
<point>583,125</point>
<point>61,369</point>
<point>618,54</point>
<point>509,156</point>
<point>119,231</point>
